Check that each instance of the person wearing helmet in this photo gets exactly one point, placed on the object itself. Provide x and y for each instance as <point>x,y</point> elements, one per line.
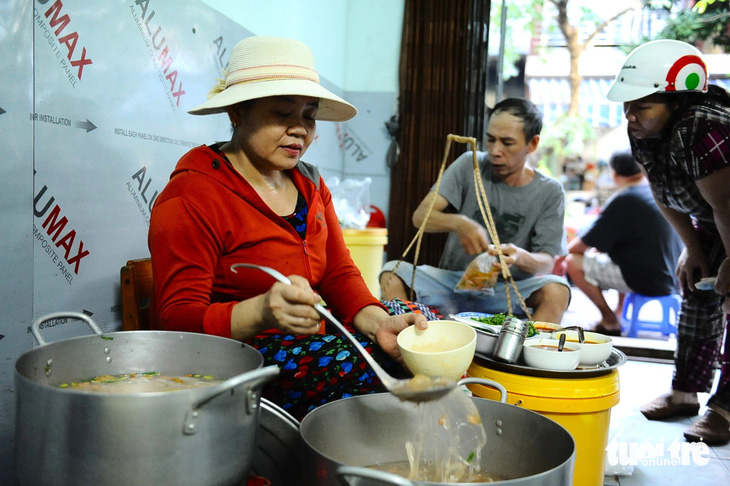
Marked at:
<point>679,129</point>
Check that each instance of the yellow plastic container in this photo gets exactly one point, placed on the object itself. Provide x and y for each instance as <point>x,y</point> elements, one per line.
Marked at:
<point>581,405</point>
<point>367,249</point>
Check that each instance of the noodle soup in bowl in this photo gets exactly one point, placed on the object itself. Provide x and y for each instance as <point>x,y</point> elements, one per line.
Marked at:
<point>445,349</point>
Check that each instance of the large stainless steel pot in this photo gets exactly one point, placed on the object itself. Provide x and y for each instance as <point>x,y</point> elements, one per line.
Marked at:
<point>343,437</point>
<point>202,436</point>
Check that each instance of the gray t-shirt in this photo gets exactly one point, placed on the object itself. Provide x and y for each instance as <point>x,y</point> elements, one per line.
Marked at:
<point>529,216</point>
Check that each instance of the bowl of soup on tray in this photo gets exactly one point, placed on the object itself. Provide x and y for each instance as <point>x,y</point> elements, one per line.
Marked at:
<point>594,350</point>
<point>445,349</point>
<point>544,353</point>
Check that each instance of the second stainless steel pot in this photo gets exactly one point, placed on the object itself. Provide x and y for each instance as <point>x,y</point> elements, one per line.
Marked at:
<point>342,438</point>
<point>203,436</point>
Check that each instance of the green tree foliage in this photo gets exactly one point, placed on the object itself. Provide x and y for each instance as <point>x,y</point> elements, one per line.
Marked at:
<point>706,20</point>
<point>566,138</point>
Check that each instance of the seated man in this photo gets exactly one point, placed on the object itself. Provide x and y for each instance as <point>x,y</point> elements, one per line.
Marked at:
<point>632,247</point>
<point>527,208</point>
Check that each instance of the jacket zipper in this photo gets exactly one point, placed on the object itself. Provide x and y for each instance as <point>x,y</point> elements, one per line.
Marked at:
<point>306,260</point>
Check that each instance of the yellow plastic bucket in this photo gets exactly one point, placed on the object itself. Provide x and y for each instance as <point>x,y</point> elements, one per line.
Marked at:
<point>367,249</point>
<point>581,405</point>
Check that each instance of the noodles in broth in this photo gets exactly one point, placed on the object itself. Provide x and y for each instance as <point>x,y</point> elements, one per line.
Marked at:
<point>447,444</point>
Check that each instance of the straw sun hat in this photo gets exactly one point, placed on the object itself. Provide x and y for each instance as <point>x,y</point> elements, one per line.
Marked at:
<point>271,66</point>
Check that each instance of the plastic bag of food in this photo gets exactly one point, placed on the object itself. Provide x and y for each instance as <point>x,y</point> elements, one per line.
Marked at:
<point>481,274</point>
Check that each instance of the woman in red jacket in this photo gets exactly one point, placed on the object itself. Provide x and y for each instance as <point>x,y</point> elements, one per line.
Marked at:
<point>253,200</point>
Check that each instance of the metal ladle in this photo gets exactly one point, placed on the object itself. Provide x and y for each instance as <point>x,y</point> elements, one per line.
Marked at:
<point>421,389</point>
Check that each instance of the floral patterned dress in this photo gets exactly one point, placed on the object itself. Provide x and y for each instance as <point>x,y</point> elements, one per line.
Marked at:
<point>320,368</point>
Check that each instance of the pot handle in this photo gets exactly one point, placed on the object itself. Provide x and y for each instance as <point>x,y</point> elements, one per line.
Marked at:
<point>253,379</point>
<point>486,382</point>
<point>35,328</point>
<point>374,474</point>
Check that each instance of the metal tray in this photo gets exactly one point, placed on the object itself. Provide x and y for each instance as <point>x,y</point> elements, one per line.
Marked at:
<point>616,359</point>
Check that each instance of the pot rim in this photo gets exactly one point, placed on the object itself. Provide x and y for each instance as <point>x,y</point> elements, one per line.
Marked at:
<point>568,461</point>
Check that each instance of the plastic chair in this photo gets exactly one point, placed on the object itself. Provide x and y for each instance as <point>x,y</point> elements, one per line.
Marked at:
<point>631,323</point>
<point>137,288</point>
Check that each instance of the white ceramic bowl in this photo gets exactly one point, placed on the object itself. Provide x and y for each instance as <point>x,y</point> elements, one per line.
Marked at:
<point>445,349</point>
<point>596,348</point>
<point>543,353</point>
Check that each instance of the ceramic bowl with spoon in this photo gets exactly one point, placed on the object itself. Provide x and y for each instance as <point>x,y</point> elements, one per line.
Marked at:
<point>547,354</point>
<point>595,349</point>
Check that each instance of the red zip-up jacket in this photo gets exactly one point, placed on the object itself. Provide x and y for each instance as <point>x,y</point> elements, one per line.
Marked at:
<point>209,217</point>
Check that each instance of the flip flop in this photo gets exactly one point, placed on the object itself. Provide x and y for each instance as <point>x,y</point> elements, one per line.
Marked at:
<point>599,328</point>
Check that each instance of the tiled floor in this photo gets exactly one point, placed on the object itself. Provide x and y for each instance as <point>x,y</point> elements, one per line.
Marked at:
<point>648,452</point>
<point>657,448</point>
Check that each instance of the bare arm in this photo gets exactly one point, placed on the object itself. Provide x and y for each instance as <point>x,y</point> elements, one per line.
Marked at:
<point>287,307</point>
<point>715,188</point>
<point>576,245</point>
<point>682,224</point>
<point>473,235</point>
<point>383,329</point>
<point>537,263</point>
<point>692,264</point>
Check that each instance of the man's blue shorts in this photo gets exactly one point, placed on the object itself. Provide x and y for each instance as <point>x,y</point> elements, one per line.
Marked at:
<point>435,287</point>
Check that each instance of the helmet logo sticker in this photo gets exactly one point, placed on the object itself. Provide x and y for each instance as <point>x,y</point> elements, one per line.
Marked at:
<point>688,73</point>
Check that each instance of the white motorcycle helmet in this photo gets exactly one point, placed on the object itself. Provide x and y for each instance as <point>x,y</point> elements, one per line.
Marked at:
<point>660,66</point>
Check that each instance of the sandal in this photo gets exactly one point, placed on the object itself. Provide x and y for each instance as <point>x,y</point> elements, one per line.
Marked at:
<point>712,429</point>
<point>663,407</point>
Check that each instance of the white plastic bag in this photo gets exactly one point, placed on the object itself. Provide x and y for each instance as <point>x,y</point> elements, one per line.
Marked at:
<point>351,198</point>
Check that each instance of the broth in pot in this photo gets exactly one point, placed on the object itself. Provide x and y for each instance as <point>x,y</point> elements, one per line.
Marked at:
<point>146,382</point>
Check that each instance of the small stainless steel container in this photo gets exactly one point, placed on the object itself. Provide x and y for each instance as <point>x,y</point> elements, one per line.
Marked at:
<point>511,339</point>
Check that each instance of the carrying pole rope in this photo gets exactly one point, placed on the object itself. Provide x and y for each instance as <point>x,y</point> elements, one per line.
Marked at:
<point>486,213</point>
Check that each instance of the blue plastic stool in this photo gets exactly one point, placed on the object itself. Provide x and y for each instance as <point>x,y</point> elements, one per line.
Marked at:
<point>631,324</point>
